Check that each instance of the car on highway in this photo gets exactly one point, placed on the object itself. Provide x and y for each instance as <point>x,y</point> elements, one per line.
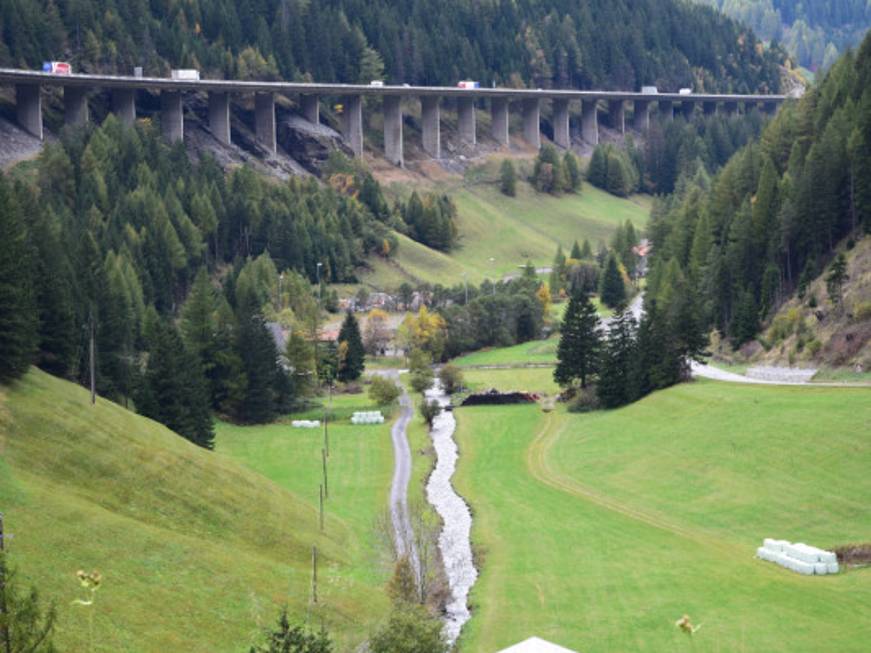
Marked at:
<point>57,67</point>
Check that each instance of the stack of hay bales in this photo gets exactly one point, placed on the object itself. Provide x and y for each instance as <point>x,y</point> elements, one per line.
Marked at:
<point>800,557</point>
<point>367,417</point>
<point>305,423</point>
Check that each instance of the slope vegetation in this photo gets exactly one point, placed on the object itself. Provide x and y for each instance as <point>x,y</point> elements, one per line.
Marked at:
<point>599,531</point>
<point>498,234</point>
<point>195,550</point>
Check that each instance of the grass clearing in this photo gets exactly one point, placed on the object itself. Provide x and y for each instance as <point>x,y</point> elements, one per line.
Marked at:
<point>196,551</point>
<point>531,379</point>
<point>498,234</point>
<point>599,531</point>
<point>537,352</point>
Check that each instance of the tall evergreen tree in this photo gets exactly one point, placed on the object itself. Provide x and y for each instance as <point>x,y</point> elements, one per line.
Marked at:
<point>508,178</point>
<point>352,356</point>
<point>256,349</point>
<point>579,345</point>
<point>616,378</point>
<point>18,315</point>
<point>173,390</point>
<point>612,290</point>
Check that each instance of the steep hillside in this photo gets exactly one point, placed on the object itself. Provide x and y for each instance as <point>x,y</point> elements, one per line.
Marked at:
<point>604,43</point>
<point>813,331</point>
<point>497,234</point>
<point>195,550</point>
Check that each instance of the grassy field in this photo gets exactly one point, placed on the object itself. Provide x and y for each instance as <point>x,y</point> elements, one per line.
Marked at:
<point>531,379</point>
<point>196,551</point>
<point>498,233</point>
<point>360,467</point>
<point>535,351</point>
<point>599,531</point>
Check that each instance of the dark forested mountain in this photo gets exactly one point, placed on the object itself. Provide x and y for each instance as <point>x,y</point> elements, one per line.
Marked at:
<point>560,43</point>
<point>814,32</point>
<point>772,218</point>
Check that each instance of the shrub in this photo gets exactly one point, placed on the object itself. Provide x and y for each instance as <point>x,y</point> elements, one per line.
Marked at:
<point>814,346</point>
<point>383,391</point>
<point>585,401</point>
<point>429,410</point>
<point>862,311</point>
<point>451,377</point>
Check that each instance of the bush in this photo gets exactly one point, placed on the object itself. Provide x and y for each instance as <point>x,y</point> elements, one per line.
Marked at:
<point>508,179</point>
<point>383,391</point>
<point>451,377</point>
<point>421,373</point>
<point>862,311</point>
<point>814,346</point>
<point>585,401</point>
<point>429,410</point>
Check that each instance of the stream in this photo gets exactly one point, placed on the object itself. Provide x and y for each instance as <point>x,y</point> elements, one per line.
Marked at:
<point>455,539</point>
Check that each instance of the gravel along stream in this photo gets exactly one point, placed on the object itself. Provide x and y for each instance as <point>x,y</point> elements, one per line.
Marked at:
<point>455,539</point>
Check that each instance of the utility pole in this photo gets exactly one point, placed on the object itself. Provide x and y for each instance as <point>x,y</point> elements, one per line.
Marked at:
<point>314,574</point>
<point>322,506</point>
<point>466,287</point>
<point>92,357</point>
<point>326,487</point>
<point>7,641</point>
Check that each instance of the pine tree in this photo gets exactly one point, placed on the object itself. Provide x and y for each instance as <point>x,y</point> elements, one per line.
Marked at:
<point>25,624</point>
<point>612,291</point>
<point>352,360</point>
<point>173,390</point>
<point>572,172</point>
<point>597,171</point>
<point>835,279</point>
<point>18,316</point>
<point>576,253</point>
<point>578,351</point>
<point>256,349</point>
<point>616,378</point>
<point>508,178</point>
<point>586,251</point>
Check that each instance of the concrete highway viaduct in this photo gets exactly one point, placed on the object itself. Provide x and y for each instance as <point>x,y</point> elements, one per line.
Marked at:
<point>500,101</point>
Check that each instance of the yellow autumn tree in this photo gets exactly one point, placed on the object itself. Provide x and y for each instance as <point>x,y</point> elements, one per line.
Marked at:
<point>426,330</point>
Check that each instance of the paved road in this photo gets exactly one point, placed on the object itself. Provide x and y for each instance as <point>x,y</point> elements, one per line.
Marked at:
<point>402,530</point>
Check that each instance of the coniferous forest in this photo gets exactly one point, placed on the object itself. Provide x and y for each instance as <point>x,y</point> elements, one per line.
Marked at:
<point>771,219</point>
<point>594,43</point>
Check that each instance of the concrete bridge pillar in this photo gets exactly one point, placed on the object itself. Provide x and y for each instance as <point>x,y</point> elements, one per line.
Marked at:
<point>219,116</point>
<point>352,123</point>
<point>641,119</point>
<point>75,105</point>
<point>124,105</point>
<point>466,119</point>
<point>532,121</point>
<point>171,116</point>
<point>561,134</point>
<point>499,118</point>
<point>666,110</point>
<point>393,129</point>
<point>590,121</point>
<point>709,108</point>
<point>28,108</point>
<point>264,120</point>
<point>687,108</point>
<point>617,115</point>
<point>731,108</point>
<point>311,108</point>
<point>430,110</point>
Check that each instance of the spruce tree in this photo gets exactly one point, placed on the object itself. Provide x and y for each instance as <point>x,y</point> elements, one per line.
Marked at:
<point>256,349</point>
<point>597,171</point>
<point>616,378</point>
<point>586,250</point>
<point>18,316</point>
<point>173,390</point>
<point>508,178</point>
<point>572,172</point>
<point>579,345</point>
<point>612,290</point>
<point>576,253</point>
<point>352,359</point>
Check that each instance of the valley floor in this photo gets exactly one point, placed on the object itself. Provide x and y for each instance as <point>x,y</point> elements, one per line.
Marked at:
<point>599,531</point>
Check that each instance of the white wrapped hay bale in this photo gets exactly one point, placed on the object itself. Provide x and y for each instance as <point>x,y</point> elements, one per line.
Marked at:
<point>821,568</point>
<point>828,557</point>
<point>832,567</point>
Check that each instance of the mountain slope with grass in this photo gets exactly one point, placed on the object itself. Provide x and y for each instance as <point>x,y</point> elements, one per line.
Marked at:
<point>196,551</point>
<point>499,234</point>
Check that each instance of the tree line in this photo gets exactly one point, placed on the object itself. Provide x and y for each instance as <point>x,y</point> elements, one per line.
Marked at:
<point>172,274</point>
<point>595,43</point>
<point>773,217</point>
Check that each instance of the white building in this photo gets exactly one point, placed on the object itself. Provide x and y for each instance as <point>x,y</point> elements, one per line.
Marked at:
<point>536,645</point>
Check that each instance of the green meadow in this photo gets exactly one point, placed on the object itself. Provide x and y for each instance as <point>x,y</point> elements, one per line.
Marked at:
<point>599,531</point>
<point>197,549</point>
